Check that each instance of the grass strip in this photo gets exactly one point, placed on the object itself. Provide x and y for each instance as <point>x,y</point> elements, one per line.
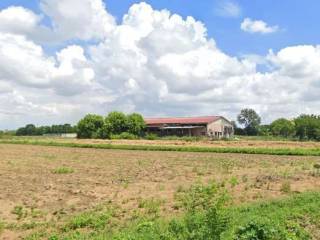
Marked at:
<point>266,151</point>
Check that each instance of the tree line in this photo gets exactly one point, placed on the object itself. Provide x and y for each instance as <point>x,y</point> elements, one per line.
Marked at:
<point>303,127</point>
<point>32,130</point>
<point>118,124</point>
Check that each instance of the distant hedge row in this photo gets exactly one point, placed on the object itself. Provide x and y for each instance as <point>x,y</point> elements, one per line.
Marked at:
<point>32,130</point>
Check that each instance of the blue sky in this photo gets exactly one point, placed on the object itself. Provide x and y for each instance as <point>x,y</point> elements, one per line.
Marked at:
<point>298,21</point>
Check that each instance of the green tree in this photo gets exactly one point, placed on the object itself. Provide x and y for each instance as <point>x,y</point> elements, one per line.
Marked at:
<point>251,121</point>
<point>283,127</point>
<point>30,130</point>
<point>106,130</point>
<point>118,122</point>
<point>264,130</point>
<point>21,131</point>
<point>308,127</point>
<point>136,124</point>
<point>90,126</point>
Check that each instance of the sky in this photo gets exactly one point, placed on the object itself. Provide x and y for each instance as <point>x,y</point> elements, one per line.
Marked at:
<point>62,59</point>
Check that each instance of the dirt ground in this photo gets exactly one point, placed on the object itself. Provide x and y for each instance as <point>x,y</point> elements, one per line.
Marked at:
<point>46,183</point>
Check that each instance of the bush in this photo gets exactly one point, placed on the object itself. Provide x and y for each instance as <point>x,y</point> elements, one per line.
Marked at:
<point>105,131</point>
<point>90,126</point>
<point>124,135</point>
<point>271,231</point>
<point>258,231</point>
<point>118,122</point>
<point>136,124</point>
<point>151,136</point>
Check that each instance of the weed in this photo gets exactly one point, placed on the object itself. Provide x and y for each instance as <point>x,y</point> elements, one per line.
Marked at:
<point>180,189</point>
<point>227,165</point>
<point>244,178</point>
<point>20,212</point>
<point>63,170</point>
<point>285,187</point>
<point>233,181</point>
<point>316,172</point>
<point>93,220</point>
<point>151,206</point>
<point>197,170</point>
<point>2,227</point>
<point>161,187</point>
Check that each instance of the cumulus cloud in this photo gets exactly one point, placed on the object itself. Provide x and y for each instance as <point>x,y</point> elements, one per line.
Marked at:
<point>18,20</point>
<point>82,19</point>
<point>153,61</point>
<point>257,26</point>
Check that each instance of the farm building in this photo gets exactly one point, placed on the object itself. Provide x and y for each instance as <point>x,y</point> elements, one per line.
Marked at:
<point>211,126</point>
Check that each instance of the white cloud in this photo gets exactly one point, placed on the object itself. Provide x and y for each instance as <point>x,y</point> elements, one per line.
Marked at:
<point>153,62</point>
<point>257,26</point>
<point>82,19</point>
<point>25,63</point>
<point>228,8</point>
<point>18,20</point>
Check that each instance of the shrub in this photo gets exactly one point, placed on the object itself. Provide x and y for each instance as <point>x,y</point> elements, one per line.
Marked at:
<point>89,126</point>
<point>136,124</point>
<point>151,136</point>
<point>124,135</point>
<point>118,122</point>
<point>105,131</point>
<point>259,230</point>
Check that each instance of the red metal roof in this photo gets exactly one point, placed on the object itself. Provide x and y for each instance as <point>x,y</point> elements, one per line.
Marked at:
<point>181,120</point>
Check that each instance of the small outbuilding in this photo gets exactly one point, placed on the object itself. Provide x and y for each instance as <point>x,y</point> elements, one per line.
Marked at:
<point>211,126</point>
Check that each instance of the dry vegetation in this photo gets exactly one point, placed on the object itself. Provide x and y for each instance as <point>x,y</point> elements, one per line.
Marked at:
<point>44,184</point>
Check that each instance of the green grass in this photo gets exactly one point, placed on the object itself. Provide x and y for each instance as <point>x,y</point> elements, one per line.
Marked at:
<point>206,214</point>
<point>268,151</point>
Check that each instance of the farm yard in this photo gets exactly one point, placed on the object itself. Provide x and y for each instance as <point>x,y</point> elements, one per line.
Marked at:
<point>56,192</point>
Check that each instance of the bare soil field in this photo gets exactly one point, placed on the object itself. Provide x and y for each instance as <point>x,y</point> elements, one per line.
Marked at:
<point>43,184</point>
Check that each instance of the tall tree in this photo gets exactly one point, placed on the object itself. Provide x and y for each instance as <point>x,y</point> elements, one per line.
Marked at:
<point>308,127</point>
<point>250,119</point>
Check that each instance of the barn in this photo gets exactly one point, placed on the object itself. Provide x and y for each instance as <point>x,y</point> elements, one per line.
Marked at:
<point>211,126</point>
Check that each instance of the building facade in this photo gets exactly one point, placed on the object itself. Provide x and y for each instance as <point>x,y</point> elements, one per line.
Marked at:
<point>211,126</point>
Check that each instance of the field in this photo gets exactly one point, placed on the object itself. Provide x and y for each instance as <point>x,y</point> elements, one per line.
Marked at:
<point>188,145</point>
<point>64,191</point>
